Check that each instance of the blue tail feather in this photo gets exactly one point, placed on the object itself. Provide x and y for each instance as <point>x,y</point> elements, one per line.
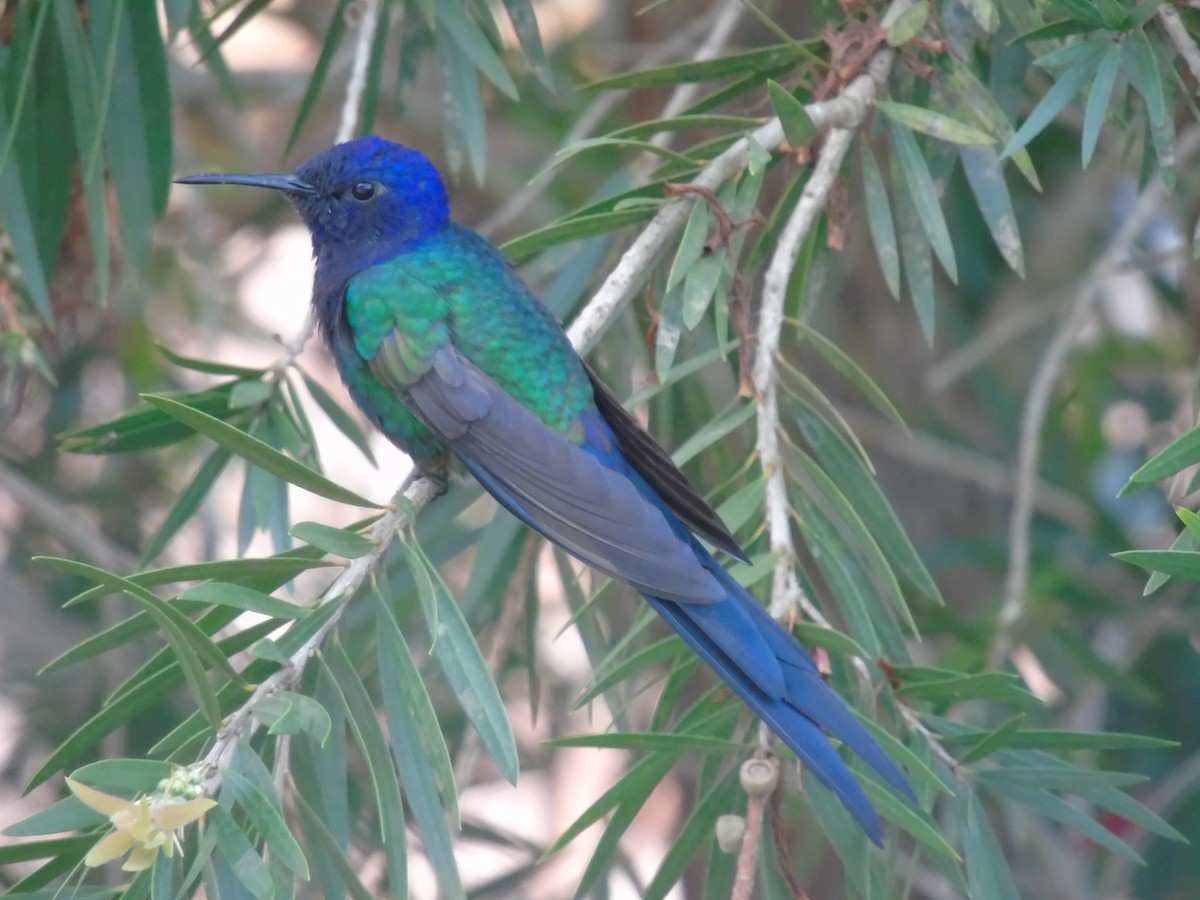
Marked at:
<point>763,664</point>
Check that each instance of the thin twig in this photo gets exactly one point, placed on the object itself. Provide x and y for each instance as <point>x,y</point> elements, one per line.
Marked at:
<point>1041,389</point>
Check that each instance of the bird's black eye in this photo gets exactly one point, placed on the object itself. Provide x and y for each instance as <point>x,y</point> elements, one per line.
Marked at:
<point>363,191</point>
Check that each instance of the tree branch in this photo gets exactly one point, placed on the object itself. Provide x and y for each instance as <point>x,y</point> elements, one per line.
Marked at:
<point>1041,389</point>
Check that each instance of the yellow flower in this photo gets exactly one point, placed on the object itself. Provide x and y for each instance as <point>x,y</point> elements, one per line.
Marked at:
<point>140,827</point>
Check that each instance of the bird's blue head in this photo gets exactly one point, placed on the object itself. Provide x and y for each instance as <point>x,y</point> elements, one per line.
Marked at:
<point>362,199</point>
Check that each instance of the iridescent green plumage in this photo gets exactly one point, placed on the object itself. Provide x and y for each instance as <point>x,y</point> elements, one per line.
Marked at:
<point>453,288</point>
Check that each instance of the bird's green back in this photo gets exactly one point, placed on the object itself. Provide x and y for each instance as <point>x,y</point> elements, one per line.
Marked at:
<point>454,287</point>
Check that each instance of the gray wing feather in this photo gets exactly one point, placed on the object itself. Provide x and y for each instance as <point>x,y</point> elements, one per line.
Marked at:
<point>557,487</point>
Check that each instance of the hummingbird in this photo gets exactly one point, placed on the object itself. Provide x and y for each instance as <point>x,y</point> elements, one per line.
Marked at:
<point>451,355</point>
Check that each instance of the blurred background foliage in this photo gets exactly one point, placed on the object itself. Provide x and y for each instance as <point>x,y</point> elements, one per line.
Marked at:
<point>1025,187</point>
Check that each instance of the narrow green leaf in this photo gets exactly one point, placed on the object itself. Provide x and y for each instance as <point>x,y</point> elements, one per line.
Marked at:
<point>409,709</point>
<point>879,219</point>
<point>840,360</point>
<point>1097,103</point>
<point>344,542</point>
<point>864,541</point>
<point>1182,452</point>
<point>87,119</point>
<point>462,116</point>
<point>798,126</point>
<point>1056,778</point>
<point>667,332</point>
<point>524,22</point>
<point>1069,54</point>
<point>650,742</point>
<point>469,677</point>
<point>68,814</point>
<point>1138,64</point>
<point>574,228</point>
<point>16,212</point>
<point>924,196</point>
<point>1054,807</point>
<point>651,127</point>
<point>144,427</point>
<point>1054,100</point>
<point>697,835</point>
<point>691,243</point>
<point>916,822</point>
<point>250,394</point>
<point>337,414</point>
<point>255,451</point>
<point>709,279</point>
<point>736,64</point>
<point>333,39</point>
<point>413,728</point>
<point>243,598</point>
<point>27,851</point>
<point>1001,737</point>
<point>360,713</point>
<point>286,712</point>
<point>845,467</point>
<point>970,98</point>
<point>327,849</point>
<point>1189,519</point>
<point>453,20</point>
<point>189,501</point>
<point>713,430</point>
<point>934,124</point>
<point>635,786</point>
<point>987,869</point>
<point>187,640</point>
<point>998,686</point>
<point>915,253</point>
<point>986,177</point>
<point>266,815</point>
<point>1175,563</point>
<point>236,851</point>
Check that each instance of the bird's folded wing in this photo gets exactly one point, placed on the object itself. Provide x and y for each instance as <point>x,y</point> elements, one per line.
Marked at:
<point>657,467</point>
<point>555,486</point>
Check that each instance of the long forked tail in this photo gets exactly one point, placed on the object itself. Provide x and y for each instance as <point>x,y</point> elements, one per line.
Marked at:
<point>777,679</point>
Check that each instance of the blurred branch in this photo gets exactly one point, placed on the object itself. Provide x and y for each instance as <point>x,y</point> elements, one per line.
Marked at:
<point>713,22</point>
<point>351,106</point>
<point>357,85</point>
<point>959,462</point>
<point>1033,414</point>
<point>1177,32</point>
<point>65,524</point>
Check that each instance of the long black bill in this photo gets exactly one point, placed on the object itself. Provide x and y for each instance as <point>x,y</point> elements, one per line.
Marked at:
<point>289,183</point>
